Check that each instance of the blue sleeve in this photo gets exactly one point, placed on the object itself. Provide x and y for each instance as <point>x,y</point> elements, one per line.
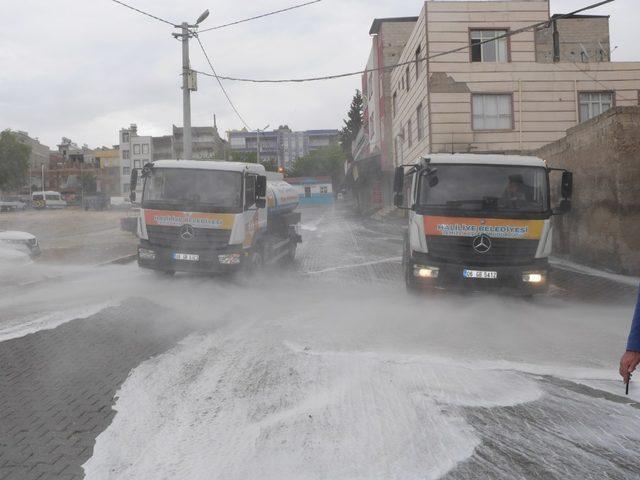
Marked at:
<point>634,336</point>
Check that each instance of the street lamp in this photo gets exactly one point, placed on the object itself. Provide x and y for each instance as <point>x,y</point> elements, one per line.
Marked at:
<point>202,17</point>
<point>258,141</point>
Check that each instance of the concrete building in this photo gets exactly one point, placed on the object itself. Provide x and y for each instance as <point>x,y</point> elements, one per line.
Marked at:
<point>313,190</point>
<point>134,150</point>
<point>283,145</point>
<point>206,143</point>
<point>372,172</point>
<point>109,165</point>
<point>508,94</point>
<point>39,156</point>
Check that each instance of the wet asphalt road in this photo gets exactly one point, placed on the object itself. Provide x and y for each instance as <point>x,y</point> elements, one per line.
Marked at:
<point>58,387</point>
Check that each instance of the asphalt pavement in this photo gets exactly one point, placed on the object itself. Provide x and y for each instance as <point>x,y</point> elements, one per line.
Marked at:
<point>324,370</point>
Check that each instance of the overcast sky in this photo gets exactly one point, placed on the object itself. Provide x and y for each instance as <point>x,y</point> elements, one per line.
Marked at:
<point>85,68</point>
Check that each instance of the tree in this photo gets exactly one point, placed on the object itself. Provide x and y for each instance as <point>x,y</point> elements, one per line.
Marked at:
<point>89,183</point>
<point>325,162</point>
<point>244,157</point>
<point>352,124</point>
<point>14,161</point>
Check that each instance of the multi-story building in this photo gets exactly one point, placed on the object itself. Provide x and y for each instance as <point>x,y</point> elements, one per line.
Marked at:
<point>456,92</point>
<point>206,143</point>
<point>135,150</point>
<point>38,158</point>
<point>109,163</point>
<point>283,145</point>
<point>372,170</point>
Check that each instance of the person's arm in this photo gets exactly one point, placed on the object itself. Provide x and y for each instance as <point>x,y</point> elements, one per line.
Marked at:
<point>631,359</point>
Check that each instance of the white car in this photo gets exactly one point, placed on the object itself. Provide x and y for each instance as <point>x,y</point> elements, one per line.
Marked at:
<point>41,200</point>
<point>20,241</point>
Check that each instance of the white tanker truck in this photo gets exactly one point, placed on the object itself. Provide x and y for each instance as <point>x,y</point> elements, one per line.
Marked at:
<point>214,217</point>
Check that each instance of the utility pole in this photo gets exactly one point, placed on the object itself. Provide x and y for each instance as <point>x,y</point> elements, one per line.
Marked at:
<point>186,95</point>
<point>188,84</point>
<point>43,177</point>
<point>258,141</point>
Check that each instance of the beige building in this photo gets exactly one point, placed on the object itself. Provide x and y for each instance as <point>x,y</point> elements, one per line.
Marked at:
<point>511,94</point>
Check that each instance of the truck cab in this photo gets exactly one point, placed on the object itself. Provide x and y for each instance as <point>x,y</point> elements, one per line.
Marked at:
<point>478,222</point>
<point>211,217</point>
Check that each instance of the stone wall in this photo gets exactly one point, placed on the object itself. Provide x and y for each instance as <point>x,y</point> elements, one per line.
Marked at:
<point>603,229</point>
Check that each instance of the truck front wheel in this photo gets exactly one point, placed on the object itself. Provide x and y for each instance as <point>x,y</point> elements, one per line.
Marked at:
<point>409,279</point>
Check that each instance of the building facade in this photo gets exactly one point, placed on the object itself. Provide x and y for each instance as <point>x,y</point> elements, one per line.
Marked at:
<point>510,94</point>
<point>38,157</point>
<point>282,146</point>
<point>134,151</point>
<point>372,171</point>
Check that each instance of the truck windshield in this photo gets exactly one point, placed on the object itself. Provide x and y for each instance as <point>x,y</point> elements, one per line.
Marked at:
<point>487,188</point>
<point>193,190</point>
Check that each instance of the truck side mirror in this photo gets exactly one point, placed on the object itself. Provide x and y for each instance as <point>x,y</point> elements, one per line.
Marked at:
<point>398,199</point>
<point>261,202</point>
<point>132,197</point>
<point>567,185</point>
<point>398,181</point>
<point>261,186</point>
<point>134,179</point>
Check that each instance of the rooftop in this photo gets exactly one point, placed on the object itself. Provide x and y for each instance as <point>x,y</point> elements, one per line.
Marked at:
<point>377,23</point>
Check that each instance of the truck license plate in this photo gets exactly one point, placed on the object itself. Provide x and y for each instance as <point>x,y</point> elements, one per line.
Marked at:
<point>480,274</point>
<point>186,257</point>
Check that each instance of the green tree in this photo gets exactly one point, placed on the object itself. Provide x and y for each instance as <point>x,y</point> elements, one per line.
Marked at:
<point>352,124</point>
<point>89,183</point>
<point>325,162</point>
<point>244,157</point>
<point>14,161</point>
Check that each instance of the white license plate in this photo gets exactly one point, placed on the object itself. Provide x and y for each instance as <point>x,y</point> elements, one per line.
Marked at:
<point>480,274</point>
<point>186,257</point>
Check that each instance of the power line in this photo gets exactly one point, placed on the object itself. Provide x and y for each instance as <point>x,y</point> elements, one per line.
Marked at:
<point>144,13</point>
<point>206,56</point>
<point>217,27</point>
<point>409,62</point>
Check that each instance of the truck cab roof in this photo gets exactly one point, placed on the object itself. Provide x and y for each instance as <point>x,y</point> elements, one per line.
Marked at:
<point>488,159</point>
<point>211,165</point>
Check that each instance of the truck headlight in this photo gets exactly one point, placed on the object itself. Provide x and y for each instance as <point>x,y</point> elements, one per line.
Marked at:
<point>145,254</point>
<point>229,259</point>
<point>533,277</point>
<point>421,271</point>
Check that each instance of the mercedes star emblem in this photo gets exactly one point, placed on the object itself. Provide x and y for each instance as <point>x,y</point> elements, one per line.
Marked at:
<point>187,232</point>
<point>482,244</point>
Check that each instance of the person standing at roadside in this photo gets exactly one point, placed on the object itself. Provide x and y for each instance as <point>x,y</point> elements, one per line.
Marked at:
<point>631,358</point>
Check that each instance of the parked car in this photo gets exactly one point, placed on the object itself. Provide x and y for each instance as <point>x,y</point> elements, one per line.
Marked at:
<point>42,200</point>
<point>120,203</point>
<point>21,241</point>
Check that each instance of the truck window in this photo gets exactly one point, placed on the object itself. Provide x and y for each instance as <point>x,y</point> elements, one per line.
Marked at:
<point>487,188</point>
<point>53,197</point>
<point>38,197</point>
<point>249,191</point>
<point>193,190</point>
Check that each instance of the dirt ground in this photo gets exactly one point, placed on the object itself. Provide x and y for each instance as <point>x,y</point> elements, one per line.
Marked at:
<point>74,235</point>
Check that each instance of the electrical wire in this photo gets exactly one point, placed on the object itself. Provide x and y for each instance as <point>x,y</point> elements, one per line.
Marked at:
<point>594,79</point>
<point>217,27</point>
<point>206,56</point>
<point>144,13</point>
<point>410,62</point>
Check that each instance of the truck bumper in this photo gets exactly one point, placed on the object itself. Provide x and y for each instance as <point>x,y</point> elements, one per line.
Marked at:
<point>528,279</point>
<point>220,261</point>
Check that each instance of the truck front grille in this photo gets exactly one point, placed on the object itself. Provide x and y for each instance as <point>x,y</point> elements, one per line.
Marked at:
<point>204,239</point>
<point>459,250</point>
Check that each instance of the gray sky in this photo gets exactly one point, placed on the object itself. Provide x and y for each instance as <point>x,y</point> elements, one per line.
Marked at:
<point>85,68</point>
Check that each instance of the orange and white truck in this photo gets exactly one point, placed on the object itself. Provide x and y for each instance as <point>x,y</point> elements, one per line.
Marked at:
<point>479,221</point>
<point>213,217</point>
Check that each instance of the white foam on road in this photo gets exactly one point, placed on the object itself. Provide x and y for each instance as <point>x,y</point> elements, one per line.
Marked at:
<point>49,321</point>
<point>594,272</point>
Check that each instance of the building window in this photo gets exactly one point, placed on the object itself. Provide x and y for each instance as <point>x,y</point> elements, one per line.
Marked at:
<point>395,149</point>
<point>593,104</point>
<point>395,103</point>
<point>420,122</point>
<point>410,133</point>
<point>407,78</point>
<point>125,137</point>
<point>324,190</point>
<point>492,112</point>
<point>125,154</point>
<point>145,148</point>
<point>136,164</point>
<point>418,60</point>
<point>126,170</point>
<point>136,149</point>
<point>492,51</point>
<point>126,187</point>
